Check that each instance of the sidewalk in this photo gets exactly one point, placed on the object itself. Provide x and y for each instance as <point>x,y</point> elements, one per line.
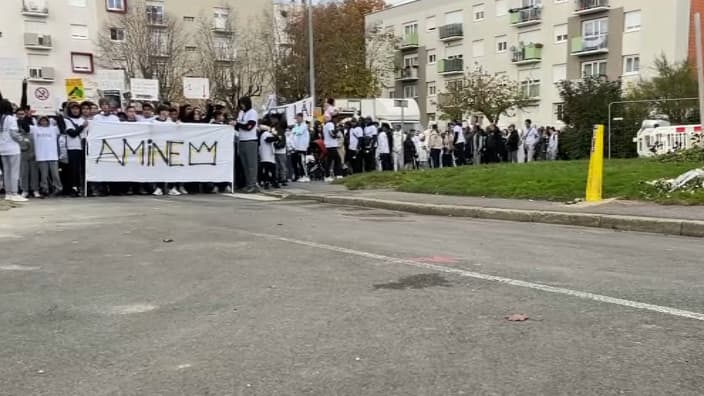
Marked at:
<point>621,215</point>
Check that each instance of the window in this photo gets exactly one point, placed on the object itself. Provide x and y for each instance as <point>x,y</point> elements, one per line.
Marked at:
<point>453,17</point>
<point>41,73</point>
<point>78,3</point>
<point>221,18</point>
<point>79,32</point>
<point>117,34</point>
<point>155,12</point>
<point>561,34</point>
<point>501,44</point>
<point>632,21</point>
<point>410,29</point>
<point>501,8</point>
<point>631,64</point>
<point>190,48</point>
<point>558,109</point>
<point>410,61</point>
<point>392,94</point>
<point>531,3</point>
<point>595,28</point>
<point>432,57</point>
<point>430,23</point>
<point>559,72</point>
<point>432,89</point>
<point>81,62</point>
<point>478,48</point>
<point>158,43</point>
<point>409,91</point>
<point>115,5</point>
<point>478,12</point>
<point>594,69</point>
<point>189,19</point>
<point>530,83</point>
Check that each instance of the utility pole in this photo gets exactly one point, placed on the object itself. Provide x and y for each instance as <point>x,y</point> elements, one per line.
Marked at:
<point>311,53</point>
<point>700,67</point>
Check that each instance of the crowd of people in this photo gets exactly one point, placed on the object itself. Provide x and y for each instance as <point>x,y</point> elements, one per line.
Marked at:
<point>44,155</point>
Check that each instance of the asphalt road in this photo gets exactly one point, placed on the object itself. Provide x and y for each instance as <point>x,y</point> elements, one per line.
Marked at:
<point>208,295</point>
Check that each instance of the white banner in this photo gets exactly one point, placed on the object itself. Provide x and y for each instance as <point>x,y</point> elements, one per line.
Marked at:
<point>304,106</point>
<point>153,153</point>
<point>196,88</point>
<point>144,89</point>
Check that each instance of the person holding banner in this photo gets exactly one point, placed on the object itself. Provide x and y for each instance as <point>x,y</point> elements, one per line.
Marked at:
<point>73,126</point>
<point>246,126</point>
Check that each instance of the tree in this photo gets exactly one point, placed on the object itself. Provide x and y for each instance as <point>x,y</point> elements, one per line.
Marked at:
<point>146,45</point>
<point>586,103</point>
<point>492,95</point>
<point>673,81</point>
<point>341,62</point>
<point>235,62</point>
<point>380,49</point>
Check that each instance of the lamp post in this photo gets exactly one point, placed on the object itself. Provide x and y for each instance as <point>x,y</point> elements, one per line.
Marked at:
<point>311,53</point>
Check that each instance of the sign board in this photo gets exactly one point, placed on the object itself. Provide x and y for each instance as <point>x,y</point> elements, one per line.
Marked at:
<point>143,89</point>
<point>12,69</point>
<point>196,88</point>
<point>75,90</point>
<point>304,106</point>
<point>41,99</point>
<point>154,153</point>
<point>111,80</point>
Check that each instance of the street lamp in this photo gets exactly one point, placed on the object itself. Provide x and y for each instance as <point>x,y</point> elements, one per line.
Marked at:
<point>310,52</point>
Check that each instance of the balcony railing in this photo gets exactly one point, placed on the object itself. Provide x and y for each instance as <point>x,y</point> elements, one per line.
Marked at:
<point>591,6</point>
<point>409,73</point>
<point>156,19</point>
<point>590,45</point>
<point>35,12</point>
<point>450,66</point>
<point>527,54</point>
<point>453,31</point>
<point>527,16</point>
<point>410,41</point>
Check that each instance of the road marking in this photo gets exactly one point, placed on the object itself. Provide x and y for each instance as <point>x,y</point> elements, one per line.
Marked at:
<point>253,197</point>
<point>132,309</point>
<point>490,278</point>
<point>17,268</point>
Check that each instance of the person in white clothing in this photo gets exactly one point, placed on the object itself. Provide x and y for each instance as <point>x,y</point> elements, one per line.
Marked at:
<point>356,134</point>
<point>46,151</point>
<point>383,150</point>
<point>163,118</point>
<point>73,127</point>
<point>459,142</point>
<point>553,144</point>
<point>300,140</point>
<point>246,126</point>
<point>333,167</point>
<point>531,139</point>
<point>267,157</point>
<point>10,151</point>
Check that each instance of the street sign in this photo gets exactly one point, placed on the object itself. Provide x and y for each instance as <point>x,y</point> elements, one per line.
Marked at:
<point>74,90</point>
<point>41,99</point>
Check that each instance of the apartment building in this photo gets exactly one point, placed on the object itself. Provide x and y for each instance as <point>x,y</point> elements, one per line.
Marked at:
<point>534,42</point>
<point>50,41</point>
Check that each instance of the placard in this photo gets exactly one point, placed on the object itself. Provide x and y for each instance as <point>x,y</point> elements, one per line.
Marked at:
<point>196,88</point>
<point>74,90</point>
<point>143,89</point>
<point>41,99</point>
<point>111,80</point>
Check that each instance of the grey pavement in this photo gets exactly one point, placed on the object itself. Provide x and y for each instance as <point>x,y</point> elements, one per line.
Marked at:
<point>210,295</point>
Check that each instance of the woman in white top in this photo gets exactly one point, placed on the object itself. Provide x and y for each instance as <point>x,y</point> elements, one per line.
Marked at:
<point>10,151</point>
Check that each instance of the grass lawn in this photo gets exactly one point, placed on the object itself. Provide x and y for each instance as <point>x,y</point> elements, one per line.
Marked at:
<point>554,181</point>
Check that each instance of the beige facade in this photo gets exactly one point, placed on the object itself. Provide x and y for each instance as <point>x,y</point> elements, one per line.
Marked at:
<point>535,42</point>
<point>53,40</point>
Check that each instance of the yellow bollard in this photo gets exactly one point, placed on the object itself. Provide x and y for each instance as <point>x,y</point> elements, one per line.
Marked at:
<point>595,180</point>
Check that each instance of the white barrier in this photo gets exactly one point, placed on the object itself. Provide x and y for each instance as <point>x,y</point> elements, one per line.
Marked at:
<point>152,153</point>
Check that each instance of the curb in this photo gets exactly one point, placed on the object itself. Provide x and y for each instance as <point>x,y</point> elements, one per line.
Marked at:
<point>689,228</point>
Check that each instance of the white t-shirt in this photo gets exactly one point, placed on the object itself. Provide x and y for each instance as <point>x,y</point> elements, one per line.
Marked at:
<point>8,146</point>
<point>532,137</point>
<point>459,133</point>
<point>328,132</point>
<point>245,118</point>
<point>106,118</point>
<point>355,134</point>
<point>371,131</point>
<point>74,143</point>
<point>383,144</point>
<point>142,118</point>
<point>46,145</point>
<point>156,120</point>
<point>266,150</point>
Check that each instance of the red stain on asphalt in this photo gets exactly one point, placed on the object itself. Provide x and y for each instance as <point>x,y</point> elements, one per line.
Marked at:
<point>437,260</point>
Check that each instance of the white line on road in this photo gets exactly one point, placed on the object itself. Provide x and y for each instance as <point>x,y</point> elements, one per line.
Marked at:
<point>491,278</point>
<point>253,197</point>
<point>14,267</point>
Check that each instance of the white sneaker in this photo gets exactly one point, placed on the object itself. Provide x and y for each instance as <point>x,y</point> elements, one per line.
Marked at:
<point>183,190</point>
<point>329,180</point>
<point>37,195</point>
<point>18,198</point>
<point>215,190</point>
<point>338,177</point>
<point>174,192</point>
<point>158,192</point>
<point>8,197</point>
<point>228,190</point>
<point>24,194</point>
<point>304,179</point>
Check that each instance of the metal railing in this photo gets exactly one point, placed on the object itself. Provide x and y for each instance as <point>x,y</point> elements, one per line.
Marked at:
<point>450,65</point>
<point>453,30</point>
<point>532,51</point>
<point>583,5</point>
<point>590,43</point>
<point>408,73</point>
<point>410,40</point>
<point>527,15</point>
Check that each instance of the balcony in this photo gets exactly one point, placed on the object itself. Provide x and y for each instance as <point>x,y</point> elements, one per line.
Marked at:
<point>527,54</point>
<point>585,7</point>
<point>450,66</point>
<point>408,74</point>
<point>526,16</point>
<point>453,31</point>
<point>409,42</point>
<point>35,12</point>
<point>37,41</point>
<point>592,45</point>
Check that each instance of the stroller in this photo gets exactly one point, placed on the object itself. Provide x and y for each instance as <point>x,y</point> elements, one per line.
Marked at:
<point>317,161</point>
